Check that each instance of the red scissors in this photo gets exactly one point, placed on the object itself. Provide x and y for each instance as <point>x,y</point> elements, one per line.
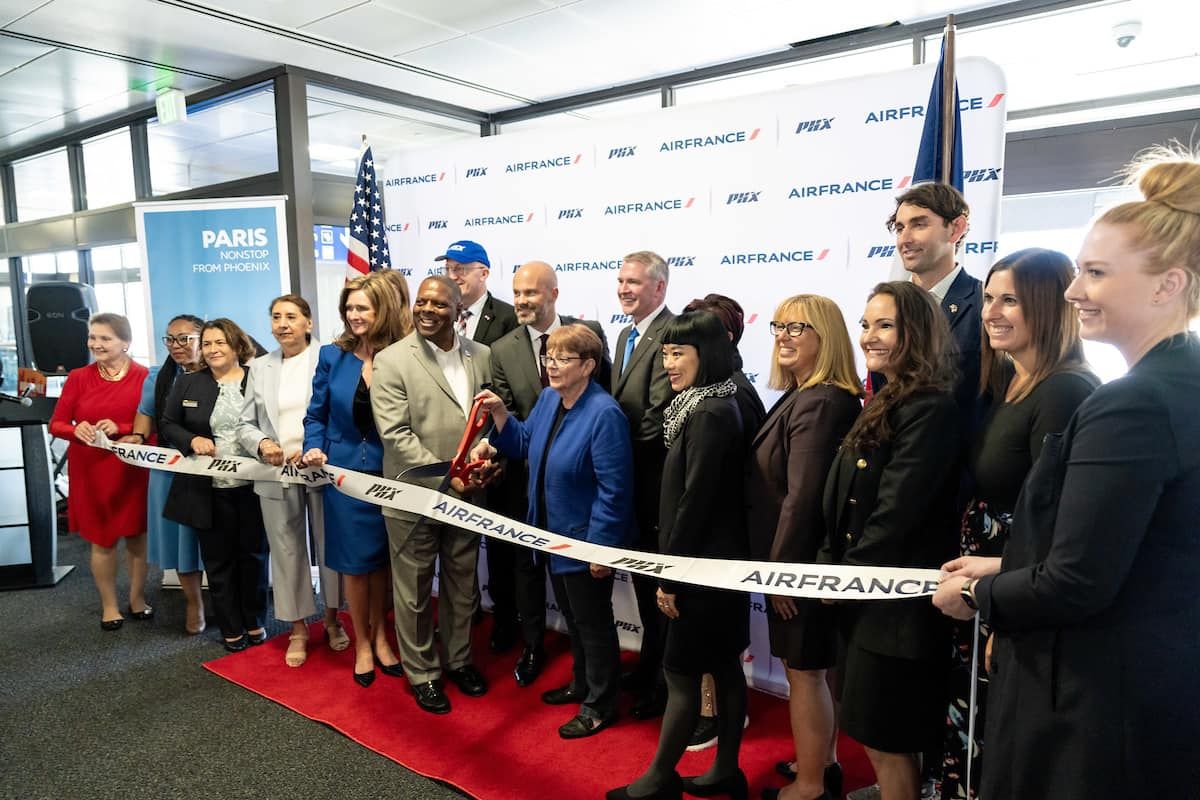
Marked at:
<point>461,467</point>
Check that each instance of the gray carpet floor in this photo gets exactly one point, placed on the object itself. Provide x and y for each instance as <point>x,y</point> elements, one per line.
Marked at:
<point>92,715</point>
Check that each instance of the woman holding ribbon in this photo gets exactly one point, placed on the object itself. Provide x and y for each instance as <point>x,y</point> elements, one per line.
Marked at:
<point>1033,380</point>
<point>702,515</point>
<point>169,544</point>
<point>889,501</point>
<point>272,425</point>
<point>339,429</point>
<point>201,416</point>
<point>813,363</point>
<point>107,499</point>
<point>1094,609</point>
<point>576,440</point>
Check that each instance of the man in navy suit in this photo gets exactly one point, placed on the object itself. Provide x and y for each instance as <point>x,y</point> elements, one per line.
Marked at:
<point>930,223</point>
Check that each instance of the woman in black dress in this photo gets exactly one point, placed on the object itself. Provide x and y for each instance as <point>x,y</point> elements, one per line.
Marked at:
<point>890,501</point>
<point>702,514</point>
<point>1033,378</point>
<point>813,362</point>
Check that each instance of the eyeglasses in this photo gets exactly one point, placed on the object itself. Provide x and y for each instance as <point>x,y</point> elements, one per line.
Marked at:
<point>459,269</point>
<point>792,328</point>
<point>182,341</point>
<point>558,361</point>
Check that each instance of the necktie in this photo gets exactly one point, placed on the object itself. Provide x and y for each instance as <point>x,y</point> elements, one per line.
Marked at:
<point>462,323</point>
<point>630,343</point>
<point>542,355</point>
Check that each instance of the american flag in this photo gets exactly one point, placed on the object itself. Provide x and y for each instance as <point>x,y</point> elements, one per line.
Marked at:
<point>368,233</point>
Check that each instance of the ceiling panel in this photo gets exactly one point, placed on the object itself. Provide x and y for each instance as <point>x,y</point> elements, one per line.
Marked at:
<point>15,9</point>
<point>15,52</point>
<point>379,30</point>
<point>468,16</point>
<point>287,13</point>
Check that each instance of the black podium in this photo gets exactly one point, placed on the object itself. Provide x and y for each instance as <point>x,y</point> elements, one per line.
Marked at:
<point>29,468</point>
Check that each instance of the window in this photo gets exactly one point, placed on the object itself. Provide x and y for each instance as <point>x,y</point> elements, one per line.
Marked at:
<point>43,186</point>
<point>61,266</point>
<point>119,289</point>
<point>8,333</point>
<point>108,169</point>
<point>229,139</point>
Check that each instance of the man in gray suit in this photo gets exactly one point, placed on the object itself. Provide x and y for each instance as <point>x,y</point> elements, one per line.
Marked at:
<point>421,393</point>
<point>641,387</point>
<point>518,377</point>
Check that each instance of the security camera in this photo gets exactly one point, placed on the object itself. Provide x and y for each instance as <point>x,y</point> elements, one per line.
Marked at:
<point>1125,32</point>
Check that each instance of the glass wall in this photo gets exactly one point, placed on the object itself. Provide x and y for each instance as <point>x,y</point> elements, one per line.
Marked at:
<point>108,169</point>
<point>119,289</point>
<point>43,186</point>
<point>60,266</point>
<point>8,334</point>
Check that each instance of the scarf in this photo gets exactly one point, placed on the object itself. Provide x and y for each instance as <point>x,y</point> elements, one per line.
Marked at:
<point>685,403</point>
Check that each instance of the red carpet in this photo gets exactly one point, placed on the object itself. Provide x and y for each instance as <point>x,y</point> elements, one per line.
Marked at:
<point>504,744</point>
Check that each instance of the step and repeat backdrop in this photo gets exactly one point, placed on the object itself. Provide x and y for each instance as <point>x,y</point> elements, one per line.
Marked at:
<point>758,198</point>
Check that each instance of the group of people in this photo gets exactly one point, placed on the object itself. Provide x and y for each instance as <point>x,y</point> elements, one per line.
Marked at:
<point>1061,512</point>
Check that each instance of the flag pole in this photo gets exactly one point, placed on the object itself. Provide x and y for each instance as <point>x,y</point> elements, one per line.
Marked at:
<point>948,102</point>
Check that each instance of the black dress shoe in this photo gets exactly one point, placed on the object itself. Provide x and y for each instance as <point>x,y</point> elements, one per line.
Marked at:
<point>145,613</point>
<point>504,636</point>
<point>563,695</point>
<point>650,706</point>
<point>365,679</point>
<point>237,645</point>
<point>431,698</point>
<point>672,790</point>
<point>112,624</point>
<point>257,638</point>
<point>734,785</point>
<point>468,680</point>
<point>633,681</point>
<point>529,665</point>
<point>394,671</point>
<point>579,726</point>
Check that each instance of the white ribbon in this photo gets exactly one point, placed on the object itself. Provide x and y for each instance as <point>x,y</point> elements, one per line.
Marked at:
<point>820,581</point>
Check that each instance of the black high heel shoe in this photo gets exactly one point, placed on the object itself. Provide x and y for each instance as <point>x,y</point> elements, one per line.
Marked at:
<point>735,785</point>
<point>394,671</point>
<point>671,790</point>
<point>773,794</point>
<point>365,679</point>
<point>145,613</point>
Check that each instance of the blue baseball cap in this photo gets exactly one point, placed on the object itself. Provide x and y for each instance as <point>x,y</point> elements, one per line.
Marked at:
<point>466,252</point>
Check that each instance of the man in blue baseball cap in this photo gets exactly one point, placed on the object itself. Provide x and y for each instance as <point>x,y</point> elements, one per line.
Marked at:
<point>485,319</point>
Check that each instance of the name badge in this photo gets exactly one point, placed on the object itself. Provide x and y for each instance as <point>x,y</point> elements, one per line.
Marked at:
<point>191,404</point>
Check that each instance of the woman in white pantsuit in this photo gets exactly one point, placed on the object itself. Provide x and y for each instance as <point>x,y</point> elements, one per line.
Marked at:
<point>277,395</point>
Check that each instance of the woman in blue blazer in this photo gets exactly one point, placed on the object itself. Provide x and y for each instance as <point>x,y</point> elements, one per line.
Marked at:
<point>576,441</point>
<point>339,429</point>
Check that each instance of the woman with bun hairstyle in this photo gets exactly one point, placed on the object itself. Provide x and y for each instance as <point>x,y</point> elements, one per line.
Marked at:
<point>1094,609</point>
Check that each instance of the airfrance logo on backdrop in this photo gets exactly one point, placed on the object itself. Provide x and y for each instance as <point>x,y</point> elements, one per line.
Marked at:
<point>587,266</point>
<point>399,227</point>
<point>777,257</point>
<point>544,163</point>
<point>978,248</point>
<point>623,152</point>
<point>918,112</point>
<point>981,175</point>
<point>409,180</point>
<point>849,187</point>
<point>475,172</point>
<point>570,213</point>
<point>741,198</point>
<point>438,224</point>
<point>650,206</point>
<point>731,137</point>
<point>813,125</point>
<point>506,219</point>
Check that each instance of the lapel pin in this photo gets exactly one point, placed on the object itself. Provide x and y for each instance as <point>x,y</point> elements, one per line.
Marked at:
<point>953,308</point>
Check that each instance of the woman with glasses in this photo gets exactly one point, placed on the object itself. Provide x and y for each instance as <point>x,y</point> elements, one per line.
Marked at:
<point>702,514</point>
<point>576,441</point>
<point>172,545</point>
<point>813,363</point>
<point>201,416</point>
<point>107,498</point>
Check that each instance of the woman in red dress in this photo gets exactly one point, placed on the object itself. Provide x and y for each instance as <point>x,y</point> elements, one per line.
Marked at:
<point>107,498</point>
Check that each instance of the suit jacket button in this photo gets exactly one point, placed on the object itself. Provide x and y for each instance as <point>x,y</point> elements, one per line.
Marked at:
<point>853,501</point>
<point>849,536</point>
<point>861,463</point>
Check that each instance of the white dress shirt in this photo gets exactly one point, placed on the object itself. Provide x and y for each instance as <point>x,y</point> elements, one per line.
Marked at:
<point>455,371</point>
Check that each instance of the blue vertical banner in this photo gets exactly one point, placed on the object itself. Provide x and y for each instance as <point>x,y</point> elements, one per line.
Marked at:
<point>213,258</point>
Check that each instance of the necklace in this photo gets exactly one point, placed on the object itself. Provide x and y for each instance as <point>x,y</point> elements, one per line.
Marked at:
<point>110,375</point>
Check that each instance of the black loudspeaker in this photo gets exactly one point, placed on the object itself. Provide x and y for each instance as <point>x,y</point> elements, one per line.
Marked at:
<point>58,314</point>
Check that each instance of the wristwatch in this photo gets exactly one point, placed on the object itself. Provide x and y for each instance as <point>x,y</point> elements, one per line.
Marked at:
<point>967,593</point>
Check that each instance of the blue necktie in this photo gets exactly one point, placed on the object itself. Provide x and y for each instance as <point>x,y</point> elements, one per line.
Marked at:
<point>630,343</point>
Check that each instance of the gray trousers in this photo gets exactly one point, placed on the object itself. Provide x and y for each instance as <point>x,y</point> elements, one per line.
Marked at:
<point>415,552</point>
<point>289,521</point>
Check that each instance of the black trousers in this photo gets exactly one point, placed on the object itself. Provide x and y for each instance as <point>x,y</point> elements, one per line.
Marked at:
<point>235,558</point>
<point>517,586</point>
<point>586,605</point>
<point>648,466</point>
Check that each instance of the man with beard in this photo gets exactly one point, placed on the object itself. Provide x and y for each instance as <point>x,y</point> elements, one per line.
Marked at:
<point>518,377</point>
<point>421,393</point>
